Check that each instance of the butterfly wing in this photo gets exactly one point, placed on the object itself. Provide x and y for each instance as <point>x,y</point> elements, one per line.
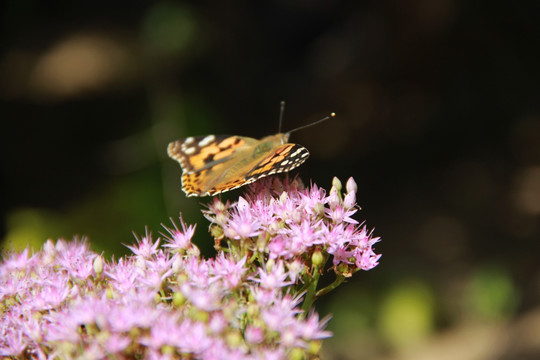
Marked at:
<point>204,159</point>
<point>284,158</point>
<point>197,153</point>
<point>214,164</point>
<point>281,159</point>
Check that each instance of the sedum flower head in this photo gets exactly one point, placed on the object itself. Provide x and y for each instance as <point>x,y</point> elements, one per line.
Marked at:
<point>165,301</point>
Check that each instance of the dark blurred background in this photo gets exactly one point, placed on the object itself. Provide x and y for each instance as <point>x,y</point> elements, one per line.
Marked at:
<point>438,121</point>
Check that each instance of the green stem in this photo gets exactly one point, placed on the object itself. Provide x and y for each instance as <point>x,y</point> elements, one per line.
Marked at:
<point>311,293</point>
<point>339,280</point>
<point>307,283</point>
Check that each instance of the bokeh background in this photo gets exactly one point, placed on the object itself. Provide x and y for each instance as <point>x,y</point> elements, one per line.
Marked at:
<point>438,121</point>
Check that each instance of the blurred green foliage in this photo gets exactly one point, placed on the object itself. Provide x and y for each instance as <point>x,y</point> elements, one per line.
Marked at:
<point>407,314</point>
<point>490,294</point>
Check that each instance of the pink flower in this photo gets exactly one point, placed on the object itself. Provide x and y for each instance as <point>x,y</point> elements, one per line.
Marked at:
<point>178,240</point>
<point>167,301</point>
<point>254,334</point>
<point>122,275</point>
<point>339,215</point>
<point>230,270</point>
<point>145,247</point>
<point>13,342</point>
<point>313,328</point>
<point>116,343</point>
<point>274,277</point>
<point>243,223</point>
<point>18,261</point>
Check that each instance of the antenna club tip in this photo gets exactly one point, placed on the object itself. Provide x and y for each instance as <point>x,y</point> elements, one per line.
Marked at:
<point>332,114</point>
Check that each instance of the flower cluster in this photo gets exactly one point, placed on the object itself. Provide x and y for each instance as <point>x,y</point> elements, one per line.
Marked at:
<point>251,301</point>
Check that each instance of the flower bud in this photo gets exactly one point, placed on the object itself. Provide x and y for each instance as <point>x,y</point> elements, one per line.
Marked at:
<point>317,259</point>
<point>351,186</point>
<point>234,339</point>
<point>350,200</point>
<point>270,264</point>
<point>216,231</point>
<point>334,200</point>
<point>283,197</point>
<point>168,350</point>
<point>296,354</point>
<point>199,315</point>
<point>336,185</point>
<point>314,347</point>
<point>98,265</point>
<point>178,299</point>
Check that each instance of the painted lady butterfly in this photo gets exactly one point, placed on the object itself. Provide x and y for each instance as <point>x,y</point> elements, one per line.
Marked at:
<point>213,164</point>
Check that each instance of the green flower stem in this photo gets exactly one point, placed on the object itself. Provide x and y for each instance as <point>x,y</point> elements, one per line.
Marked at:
<point>311,293</point>
<point>339,280</point>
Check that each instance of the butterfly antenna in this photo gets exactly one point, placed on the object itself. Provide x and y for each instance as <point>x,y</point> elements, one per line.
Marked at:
<point>281,111</point>
<point>313,123</point>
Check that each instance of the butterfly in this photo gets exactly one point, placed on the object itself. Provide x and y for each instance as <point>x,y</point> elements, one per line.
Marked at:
<point>213,164</point>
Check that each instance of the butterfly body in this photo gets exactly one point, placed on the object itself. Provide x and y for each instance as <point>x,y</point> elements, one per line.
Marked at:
<point>213,164</point>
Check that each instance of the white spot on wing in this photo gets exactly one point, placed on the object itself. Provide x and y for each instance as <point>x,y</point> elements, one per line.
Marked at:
<point>207,140</point>
<point>189,150</point>
<point>297,152</point>
<point>189,140</point>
